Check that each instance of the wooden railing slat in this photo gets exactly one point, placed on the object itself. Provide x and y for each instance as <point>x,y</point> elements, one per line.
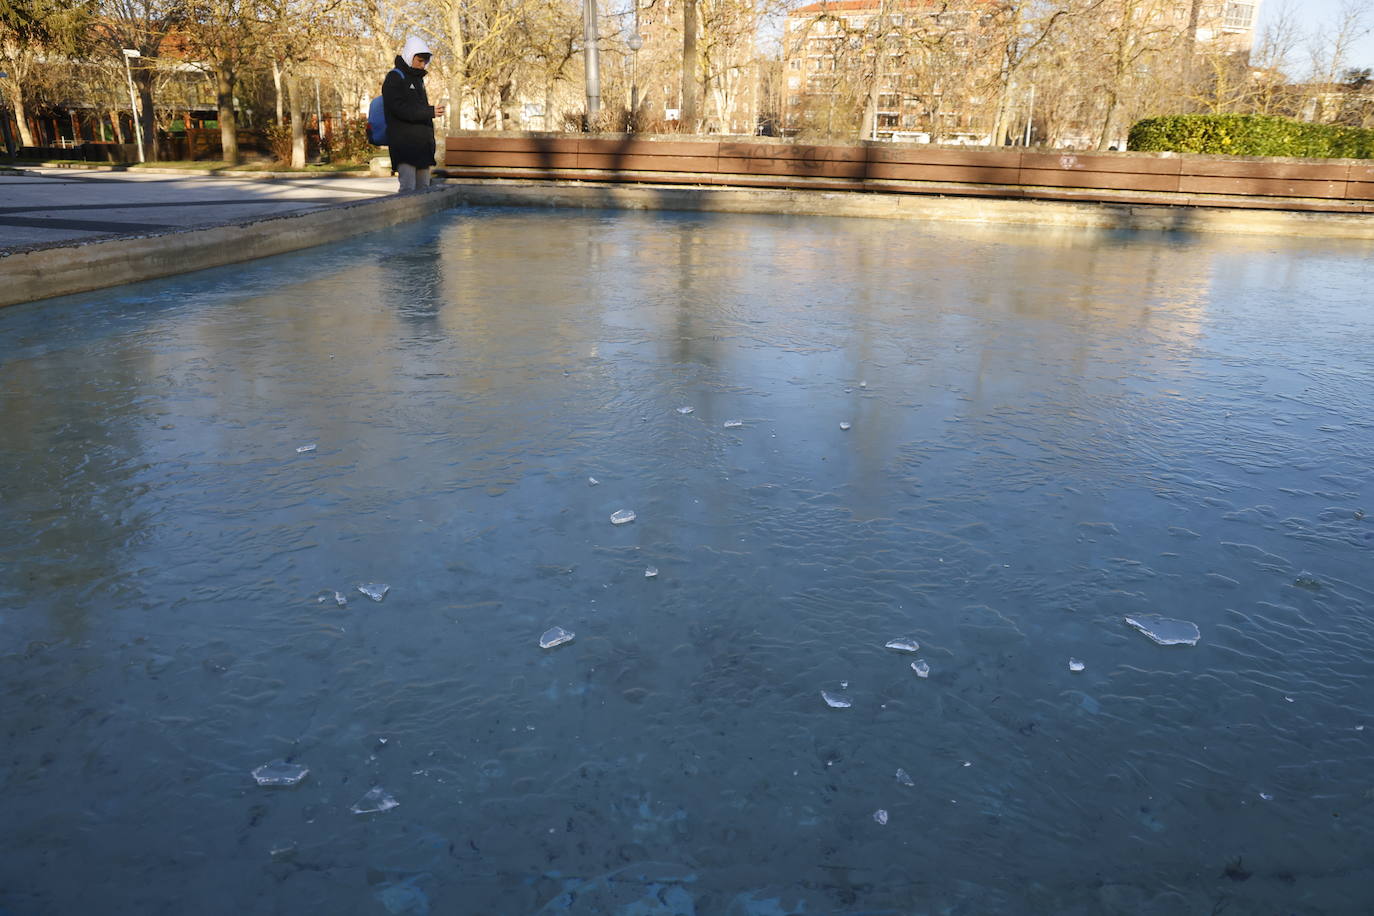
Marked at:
<point>1061,175</point>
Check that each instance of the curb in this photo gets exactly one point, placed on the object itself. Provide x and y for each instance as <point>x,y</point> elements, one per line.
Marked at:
<point>77,267</point>
<point>203,173</point>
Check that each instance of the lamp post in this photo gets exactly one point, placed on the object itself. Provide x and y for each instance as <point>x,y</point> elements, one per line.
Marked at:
<point>634,43</point>
<point>130,54</point>
<point>592,54</point>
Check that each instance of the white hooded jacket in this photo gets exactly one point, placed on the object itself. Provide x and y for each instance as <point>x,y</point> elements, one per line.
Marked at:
<point>412,47</point>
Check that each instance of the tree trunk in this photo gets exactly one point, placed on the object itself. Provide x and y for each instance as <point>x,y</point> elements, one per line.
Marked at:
<point>297,106</point>
<point>688,114</point>
<point>228,125</point>
<point>508,117</point>
<point>457,66</point>
<point>1106,139</point>
<point>148,117</point>
<point>276,83</point>
<point>21,118</point>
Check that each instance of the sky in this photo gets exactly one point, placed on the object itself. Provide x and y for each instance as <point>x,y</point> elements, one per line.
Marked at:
<point>1316,14</point>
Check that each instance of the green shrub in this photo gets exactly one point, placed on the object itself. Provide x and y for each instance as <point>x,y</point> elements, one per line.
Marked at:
<point>1250,135</point>
<point>349,143</point>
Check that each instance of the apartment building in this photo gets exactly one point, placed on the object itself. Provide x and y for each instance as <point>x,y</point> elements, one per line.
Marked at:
<point>909,68</point>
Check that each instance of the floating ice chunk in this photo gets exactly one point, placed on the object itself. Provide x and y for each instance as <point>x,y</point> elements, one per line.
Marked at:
<point>651,572</point>
<point>1165,630</point>
<point>592,481</point>
<point>308,447</point>
<point>622,516</point>
<point>1266,796</point>
<point>374,590</point>
<point>863,384</point>
<point>844,424</point>
<point>280,773</point>
<point>340,600</point>
<point>904,778</point>
<point>902,645</point>
<point>1308,581</point>
<point>555,636</point>
<point>921,668</point>
<point>835,700</point>
<point>880,816</point>
<point>1076,665</point>
<point>733,424</point>
<point>282,852</point>
<point>375,801</point>
<point>685,410</point>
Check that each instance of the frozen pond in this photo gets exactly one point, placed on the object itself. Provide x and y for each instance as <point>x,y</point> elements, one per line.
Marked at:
<point>1047,433</point>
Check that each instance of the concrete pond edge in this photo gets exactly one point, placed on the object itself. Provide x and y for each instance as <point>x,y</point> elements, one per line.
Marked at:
<point>1131,215</point>
<point>64,268</point>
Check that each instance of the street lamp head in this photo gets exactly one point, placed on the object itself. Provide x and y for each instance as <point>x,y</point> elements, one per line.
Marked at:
<point>132,52</point>
<point>634,42</point>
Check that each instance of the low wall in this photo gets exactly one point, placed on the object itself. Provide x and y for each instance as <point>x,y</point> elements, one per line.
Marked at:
<point>76,267</point>
<point>1167,179</point>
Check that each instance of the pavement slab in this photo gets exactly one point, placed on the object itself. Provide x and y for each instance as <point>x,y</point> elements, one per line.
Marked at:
<point>44,206</point>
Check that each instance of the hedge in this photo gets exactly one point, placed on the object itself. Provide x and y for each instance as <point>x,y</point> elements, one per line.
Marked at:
<point>1250,135</point>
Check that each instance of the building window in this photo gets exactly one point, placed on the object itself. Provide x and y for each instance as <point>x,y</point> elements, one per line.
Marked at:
<point>1239,15</point>
<point>794,64</point>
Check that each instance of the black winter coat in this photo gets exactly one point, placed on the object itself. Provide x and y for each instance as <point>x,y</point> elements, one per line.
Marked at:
<point>409,117</point>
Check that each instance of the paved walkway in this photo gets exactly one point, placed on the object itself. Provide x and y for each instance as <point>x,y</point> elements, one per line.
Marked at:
<point>47,205</point>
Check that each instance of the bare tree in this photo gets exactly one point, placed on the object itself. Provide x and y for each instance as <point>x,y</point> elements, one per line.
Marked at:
<point>144,26</point>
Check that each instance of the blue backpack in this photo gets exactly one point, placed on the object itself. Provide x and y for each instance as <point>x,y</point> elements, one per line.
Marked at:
<point>376,117</point>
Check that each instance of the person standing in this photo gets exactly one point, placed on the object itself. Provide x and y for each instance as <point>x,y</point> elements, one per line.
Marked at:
<point>410,117</point>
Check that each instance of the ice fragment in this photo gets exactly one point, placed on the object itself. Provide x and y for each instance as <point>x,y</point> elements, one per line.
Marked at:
<point>880,816</point>
<point>921,668</point>
<point>1266,796</point>
<point>902,645</point>
<point>835,700</point>
<point>375,801</point>
<point>733,424</point>
<point>622,516</point>
<point>309,447</point>
<point>374,590</point>
<point>555,636</point>
<point>685,410</point>
<point>279,773</point>
<point>1166,631</point>
<point>340,600</point>
<point>844,424</point>
<point>903,778</point>
<point>1076,665</point>
<point>651,572</point>
<point>592,481</point>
